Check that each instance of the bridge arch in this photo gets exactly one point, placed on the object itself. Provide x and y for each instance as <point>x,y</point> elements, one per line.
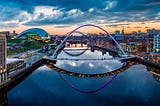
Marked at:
<point>62,43</point>
<point>92,25</point>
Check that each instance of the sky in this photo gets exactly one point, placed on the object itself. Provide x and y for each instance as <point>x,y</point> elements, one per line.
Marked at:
<point>62,16</point>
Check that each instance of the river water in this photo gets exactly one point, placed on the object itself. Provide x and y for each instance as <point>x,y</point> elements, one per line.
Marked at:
<point>44,87</point>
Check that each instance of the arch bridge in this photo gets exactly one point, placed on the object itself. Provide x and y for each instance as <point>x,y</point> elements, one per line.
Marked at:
<point>50,62</point>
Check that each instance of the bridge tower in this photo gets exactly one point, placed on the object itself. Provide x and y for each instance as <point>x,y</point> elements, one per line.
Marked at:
<point>3,68</point>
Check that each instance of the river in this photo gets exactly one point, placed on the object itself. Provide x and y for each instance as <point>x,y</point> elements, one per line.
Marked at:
<point>44,87</point>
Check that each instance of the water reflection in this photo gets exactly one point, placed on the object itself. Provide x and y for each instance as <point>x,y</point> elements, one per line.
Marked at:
<point>3,99</point>
<point>89,66</point>
<point>135,86</point>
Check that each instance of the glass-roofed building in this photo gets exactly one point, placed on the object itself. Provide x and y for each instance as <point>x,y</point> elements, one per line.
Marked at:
<point>34,33</point>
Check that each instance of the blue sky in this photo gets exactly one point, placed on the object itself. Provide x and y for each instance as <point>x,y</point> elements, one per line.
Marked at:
<point>64,13</point>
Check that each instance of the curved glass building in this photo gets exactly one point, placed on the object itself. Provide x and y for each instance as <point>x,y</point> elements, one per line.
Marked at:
<point>34,33</point>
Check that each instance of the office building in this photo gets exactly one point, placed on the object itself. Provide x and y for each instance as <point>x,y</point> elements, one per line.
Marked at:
<point>117,32</point>
<point>3,74</point>
<point>157,43</point>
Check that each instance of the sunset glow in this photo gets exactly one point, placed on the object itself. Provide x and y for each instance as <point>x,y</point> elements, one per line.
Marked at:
<point>60,17</point>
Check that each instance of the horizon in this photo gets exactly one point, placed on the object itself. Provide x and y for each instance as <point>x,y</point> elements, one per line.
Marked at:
<point>61,17</point>
<point>90,31</point>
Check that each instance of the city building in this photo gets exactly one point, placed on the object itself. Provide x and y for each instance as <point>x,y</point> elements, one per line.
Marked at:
<point>152,32</point>
<point>3,74</point>
<point>9,35</point>
<point>6,33</point>
<point>156,43</point>
<point>139,33</point>
<point>13,35</point>
<point>34,33</point>
<point>117,32</point>
<point>118,36</point>
<point>132,47</point>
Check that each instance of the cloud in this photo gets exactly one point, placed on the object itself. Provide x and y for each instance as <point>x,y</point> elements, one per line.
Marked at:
<point>52,15</point>
<point>110,4</point>
<point>91,10</point>
<point>138,27</point>
<point>147,27</point>
<point>153,4</point>
<point>62,26</point>
<point>143,23</point>
<point>70,12</point>
<point>155,21</point>
<point>118,24</point>
<point>8,24</point>
<point>8,13</point>
<point>43,12</point>
<point>91,65</point>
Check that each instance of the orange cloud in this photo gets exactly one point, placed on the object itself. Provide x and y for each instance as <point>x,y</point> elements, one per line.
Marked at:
<point>132,26</point>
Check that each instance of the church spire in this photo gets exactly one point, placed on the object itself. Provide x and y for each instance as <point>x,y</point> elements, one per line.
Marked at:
<point>122,33</point>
